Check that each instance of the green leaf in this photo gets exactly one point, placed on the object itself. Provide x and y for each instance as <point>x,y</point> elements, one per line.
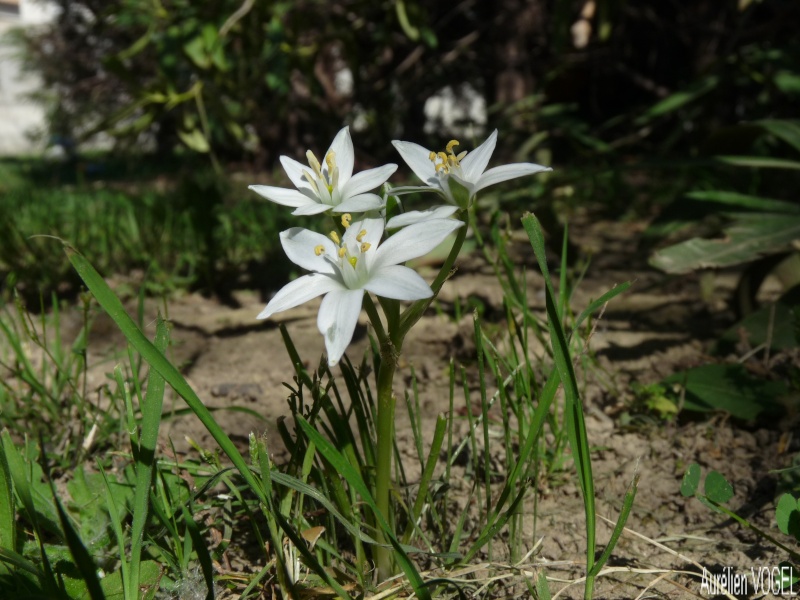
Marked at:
<point>772,324</point>
<point>679,99</point>
<point>717,488</point>
<point>743,241</point>
<point>730,388</point>
<point>691,480</point>
<point>760,162</point>
<point>787,514</point>
<point>195,140</point>
<point>739,201</point>
<point>8,528</point>
<point>196,51</point>
<point>785,129</point>
<point>353,477</point>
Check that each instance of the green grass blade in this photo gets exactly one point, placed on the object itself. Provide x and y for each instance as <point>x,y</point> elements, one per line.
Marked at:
<point>575,425</point>
<point>627,505</point>
<point>353,478</point>
<point>83,560</point>
<point>427,474</point>
<point>14,559</point>
<point>145,462</point>
<point>8,529</point>
<point>112,305</point>
<point>203,555</point>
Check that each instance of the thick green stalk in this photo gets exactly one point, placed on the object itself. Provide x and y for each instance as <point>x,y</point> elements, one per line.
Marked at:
<point>385,434</point>
<point>391,343</point>
<point>383,474</point>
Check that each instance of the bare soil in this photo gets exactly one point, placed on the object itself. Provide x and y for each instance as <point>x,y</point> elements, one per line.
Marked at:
<point>661,325</point>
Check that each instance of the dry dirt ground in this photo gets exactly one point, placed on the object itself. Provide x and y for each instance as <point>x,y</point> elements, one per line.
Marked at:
<point>661,325</point>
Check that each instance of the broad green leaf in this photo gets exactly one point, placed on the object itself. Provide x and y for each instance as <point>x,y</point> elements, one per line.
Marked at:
<point>787,514</point>
<point>772,323</point>
<point>717,488</point>
<point>196,50</point>
<point>729,388</point>
<point>195,140</point>
<point>743,242</point>
<point>785,129</point>
<point>787,82</point>
<point>760,162</point>
<point>691,480</point>
<point>739,201</point>
<point>679,99</point>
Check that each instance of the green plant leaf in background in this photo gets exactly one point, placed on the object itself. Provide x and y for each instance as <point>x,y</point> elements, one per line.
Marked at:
<point>743,241</point>
<point>717,488</point>
<point>691,480</point>
<point>771,325</point>
<point>729,388</point>
<point>787,514</point>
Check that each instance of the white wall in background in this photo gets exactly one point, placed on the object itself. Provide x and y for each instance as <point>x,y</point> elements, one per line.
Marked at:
<point>18,116</point>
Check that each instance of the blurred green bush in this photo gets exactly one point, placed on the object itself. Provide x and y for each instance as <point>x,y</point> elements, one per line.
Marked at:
<point>247,79</point>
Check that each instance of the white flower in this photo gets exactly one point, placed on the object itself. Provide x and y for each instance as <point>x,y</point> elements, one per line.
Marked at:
<point>329,185</point>
<point>468,169</point>
<point>418,216</point>
<point>344,269</point>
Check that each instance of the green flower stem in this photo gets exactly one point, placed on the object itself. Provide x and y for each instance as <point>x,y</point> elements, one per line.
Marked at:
<point>385,433</point>
<point>375,319</point>
<point>413,313</point>
<point>383,468</point>
<point>391,342</point>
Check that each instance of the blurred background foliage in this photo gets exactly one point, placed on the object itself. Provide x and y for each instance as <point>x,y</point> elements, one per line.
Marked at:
<point>630,102</point>
<point>252,79</point>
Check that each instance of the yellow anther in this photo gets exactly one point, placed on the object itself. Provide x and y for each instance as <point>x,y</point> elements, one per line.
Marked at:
<point>335,237</point>
<point>365,246</point>
<point>314,163</point>
<point>452,144</point>
<point>330,160</point>
<point>311,181</point>
<point>361,235</point>
<point>342,252</point>
<point>334,179</point>
<point>432,156</point>
<point>460,156</point>
<point>347,218</point>
<point>352,260</point>
<point>319,250</point>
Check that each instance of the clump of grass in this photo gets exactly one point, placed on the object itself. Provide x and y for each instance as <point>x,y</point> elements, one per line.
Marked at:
<point>199,235</point>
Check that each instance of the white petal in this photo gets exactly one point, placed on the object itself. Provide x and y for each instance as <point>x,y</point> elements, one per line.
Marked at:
<point>338,315</point>
<point>506,172</point>
<point>282,196</point>
<point>300,245</point>
<point>360,203</point>
<point>413,241</point>
<point>475,162</point>
<point>342,147</point>
<point>373,227</point>
<point>312,209</point>
<point>367,180</point>
<point>398,282</point>
<point>418,158</point>
<point>296,172</point>
<point>298,292</point>
<point>418,216</point>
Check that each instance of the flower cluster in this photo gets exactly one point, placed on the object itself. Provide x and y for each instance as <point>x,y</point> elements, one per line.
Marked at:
<point>355,258</point>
